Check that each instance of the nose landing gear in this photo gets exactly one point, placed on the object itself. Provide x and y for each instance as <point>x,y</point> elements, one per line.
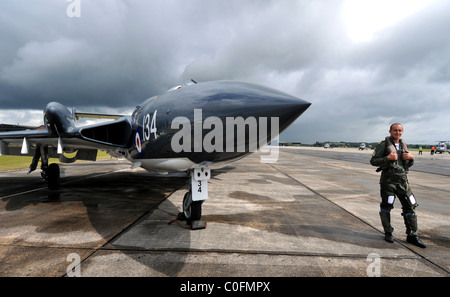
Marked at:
<point>193,200</point>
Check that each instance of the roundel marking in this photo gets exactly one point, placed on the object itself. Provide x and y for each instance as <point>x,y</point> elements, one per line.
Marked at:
<point>137,140</point>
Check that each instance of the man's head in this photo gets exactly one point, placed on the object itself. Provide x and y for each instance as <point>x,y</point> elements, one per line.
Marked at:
<point>396,131</point>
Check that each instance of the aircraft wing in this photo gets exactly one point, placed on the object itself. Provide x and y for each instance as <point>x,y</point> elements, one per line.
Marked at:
<point>62,136</point>
<point>22,142</point>
<point>97,115</point>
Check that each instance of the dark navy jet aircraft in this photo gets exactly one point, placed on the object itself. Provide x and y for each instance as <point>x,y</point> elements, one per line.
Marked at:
<point>192,128</point>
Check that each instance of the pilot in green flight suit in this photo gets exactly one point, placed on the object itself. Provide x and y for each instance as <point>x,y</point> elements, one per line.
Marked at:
<point>393,159</point>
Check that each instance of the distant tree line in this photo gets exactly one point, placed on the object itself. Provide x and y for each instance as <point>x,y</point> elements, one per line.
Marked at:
<point>369,145</point>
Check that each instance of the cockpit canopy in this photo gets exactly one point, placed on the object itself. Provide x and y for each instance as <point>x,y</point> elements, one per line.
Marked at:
<point>188,83</point>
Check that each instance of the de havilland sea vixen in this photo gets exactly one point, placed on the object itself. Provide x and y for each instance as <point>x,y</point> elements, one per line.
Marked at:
<point>191,128</point>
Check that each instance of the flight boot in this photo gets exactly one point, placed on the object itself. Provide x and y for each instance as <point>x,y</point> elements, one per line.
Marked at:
<point>411,230</point>
<point>386,222</point>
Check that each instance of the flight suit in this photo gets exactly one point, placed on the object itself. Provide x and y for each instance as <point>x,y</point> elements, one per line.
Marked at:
<point>394,183</point>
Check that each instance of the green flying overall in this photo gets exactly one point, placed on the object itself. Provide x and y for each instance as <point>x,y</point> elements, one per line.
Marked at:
<point>393,159</point>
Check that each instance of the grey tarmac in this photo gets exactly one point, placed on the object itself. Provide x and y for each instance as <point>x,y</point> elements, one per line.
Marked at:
<point>314,213</point>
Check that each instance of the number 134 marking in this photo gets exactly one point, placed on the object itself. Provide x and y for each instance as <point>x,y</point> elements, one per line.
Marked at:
<point>149,126</point>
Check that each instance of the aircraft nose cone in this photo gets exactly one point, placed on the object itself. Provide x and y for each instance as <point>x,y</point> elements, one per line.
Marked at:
<point>286,108</point>
<point>261,101</point>
<point>246,100</point>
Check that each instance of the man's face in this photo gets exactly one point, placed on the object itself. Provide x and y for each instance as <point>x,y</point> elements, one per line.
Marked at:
<point>396,131</point>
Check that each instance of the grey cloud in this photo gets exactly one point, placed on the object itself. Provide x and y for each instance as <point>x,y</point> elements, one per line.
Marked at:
<point>275,38</point>
<point>120,52</point>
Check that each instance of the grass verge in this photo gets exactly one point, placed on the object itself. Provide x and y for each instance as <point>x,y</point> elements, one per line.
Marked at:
<point>23,162</point>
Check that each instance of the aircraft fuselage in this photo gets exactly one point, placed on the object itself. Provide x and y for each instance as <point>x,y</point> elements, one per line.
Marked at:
<point>208,122</point>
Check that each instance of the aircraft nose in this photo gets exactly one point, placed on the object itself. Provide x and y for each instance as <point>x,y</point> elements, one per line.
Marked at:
<point>261,101</point>
<point>225,119</point>
<point>287,109</point>
<point>238,99</point>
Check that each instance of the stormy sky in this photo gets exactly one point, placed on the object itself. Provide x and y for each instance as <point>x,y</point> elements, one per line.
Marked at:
<point>363,64</point>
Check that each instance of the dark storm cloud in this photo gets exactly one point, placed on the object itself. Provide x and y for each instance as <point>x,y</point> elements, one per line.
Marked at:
<point>102,58</point>
<point>120,52</point>
<point>278,38</point>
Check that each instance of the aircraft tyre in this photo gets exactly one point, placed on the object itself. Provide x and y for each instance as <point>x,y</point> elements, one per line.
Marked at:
<point>192,209</point>
<point>53,176</point>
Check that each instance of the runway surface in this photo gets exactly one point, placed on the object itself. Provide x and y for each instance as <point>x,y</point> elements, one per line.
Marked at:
<point>314,212</point>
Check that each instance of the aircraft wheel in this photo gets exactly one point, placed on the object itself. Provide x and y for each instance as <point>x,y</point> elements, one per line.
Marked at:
<point>53,176</point>
<point>192,209</point>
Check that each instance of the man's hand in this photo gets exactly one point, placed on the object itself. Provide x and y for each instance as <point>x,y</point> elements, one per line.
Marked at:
<point>407,156</point>
<point>392,156</point>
